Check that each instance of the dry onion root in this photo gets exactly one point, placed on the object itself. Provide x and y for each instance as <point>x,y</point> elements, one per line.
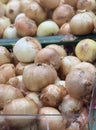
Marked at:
<point>28,107</point>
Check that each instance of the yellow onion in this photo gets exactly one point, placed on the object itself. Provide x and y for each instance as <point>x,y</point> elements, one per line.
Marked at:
<point>48,56</point>
<point>36,12</point>
<point>23,106</point>
<point>26,49</point>
<point>38,76</point>
<point>49,4</point>
<point>63,14</point>
<point>25,26</point>
<point>10,32</point>
<point>71,2</point>
<point>47,28</point>
<point>86,4</point>
<point>12,10</point>
<point>8,93</point>
<point>85,50</point>
<point>65,29</point>
<point>81,20</point>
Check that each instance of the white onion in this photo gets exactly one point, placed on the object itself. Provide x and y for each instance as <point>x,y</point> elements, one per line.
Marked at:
<point>12,9</point>
<point>26,48</point>
<point>81,20</point>
<point>10,32</point>
<point>2,9</point>
<point>23,106</point>
<point>47,28</point>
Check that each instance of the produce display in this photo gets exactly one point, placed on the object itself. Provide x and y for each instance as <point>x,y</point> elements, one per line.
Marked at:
<point>20,18</point>
<point>46,88</point>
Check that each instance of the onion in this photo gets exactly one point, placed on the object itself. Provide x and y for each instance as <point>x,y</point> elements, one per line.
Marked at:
<point>35,97</point>
<point>21,106</point>
<point>85,50</point>
<point>12,10</point>
<point>60,49</point>
<point>36,12</point>
<point>49,4</point>
<point>63,14</point>
<point>81,20</point>
<point>51,95</point>
<point>8,71</point>
<point>65,29</point>
<point>94,21</point>
<point>71,2</point>
<point>8,93</point>
<point>10,32</point>
<point>2,9</point>
<point>26,49</point>
<point>48,56</point>
<point>70,105</point>
<point>25,26</point>
<point>20,67</point>
<point>38,76</point>
<point>5,56</point>
<point>4,1</point>
<point>74,126</point>
<point>79,81</point>
<point>86,4</point>
<point>68,62</point>
<point>47,28</point>
<point>51,119</point>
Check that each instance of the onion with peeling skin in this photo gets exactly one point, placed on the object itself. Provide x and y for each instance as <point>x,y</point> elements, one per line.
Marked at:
<point>70,105</point>
<point>38,76</point>
<point>26,49</point>
<point>35,97</point>
<point>60,49</point>
<point>51,95</point>
<point>8,71</point>
<point>47,28</point>
<point>10,32</point>
<point>51,119</point>
<point>35,12</point>
<point>49,4</point>
<point>25,26</point>
<point>12,9</point>
<point>63,14</point>
<point>86,4</point>
<point>48,56</point>
<point>65,29</point>
<point>5,56</point>
<point>79,81</point>
<point>81,20</point>
<point>85,50</point>
<point>8,93</point>
<point>67,63</point>
<point>20,106</point>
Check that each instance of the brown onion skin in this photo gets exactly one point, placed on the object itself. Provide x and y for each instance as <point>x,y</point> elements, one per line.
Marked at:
<point>25,26</point>
<point>38,76</point>
<point>8,93</point>
<point>48,56</point>
<point>51,95</point>
<point>79,81</point>
<point>73,3</point>
<point>14,107</point>
<point>59,15</point>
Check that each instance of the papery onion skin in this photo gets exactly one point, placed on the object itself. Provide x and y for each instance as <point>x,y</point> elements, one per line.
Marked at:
<point>26,48</point>
<point>81,20</point>
<point>63,14</point>
<point>25,26</point>
<point>49,4</point>
<point>20,106</point>
<point>55,120</point>
<point>79,81</point>
<point>8,93</point>
<point>36,12</point>
<point>51,95</point>
<point>47,28</point>
<point>85,50</point>
<point>38,76</point>
<point>48,56</point>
